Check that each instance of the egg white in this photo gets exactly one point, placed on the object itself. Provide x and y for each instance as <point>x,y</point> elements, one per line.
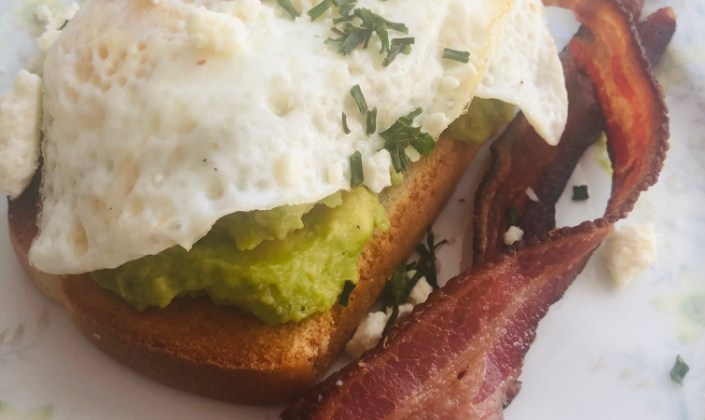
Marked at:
<point>160,117</point>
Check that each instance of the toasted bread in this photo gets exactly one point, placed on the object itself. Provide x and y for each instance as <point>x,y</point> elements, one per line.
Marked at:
<point>221,352</point>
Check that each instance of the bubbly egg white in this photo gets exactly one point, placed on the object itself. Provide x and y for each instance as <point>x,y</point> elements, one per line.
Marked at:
<point>160,117</point>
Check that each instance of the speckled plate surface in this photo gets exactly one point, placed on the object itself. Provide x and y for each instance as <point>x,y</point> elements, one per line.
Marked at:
<point>601,353</point>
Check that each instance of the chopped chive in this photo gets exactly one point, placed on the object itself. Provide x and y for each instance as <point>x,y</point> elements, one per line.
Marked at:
<point>423,143</point>
<point>346,129</point>
<point>348,41</point>
<point>679,370</point>
<point>455,55</point>
<point>512,217</point>
<point>319,9</point>
<point>426,266</point>
<point>580,193</point>
<point>290,9</point>
<point>371,121</point>
<point>348,287</point>
<point>356,93</point>
<point>400,285</point>
<point>402,134</point>
<point>344,6</point>
<point>396,292</point>
<point>357,177</point>
<point>398,46</point>
<point>358,26</point>
<point>400,160</point>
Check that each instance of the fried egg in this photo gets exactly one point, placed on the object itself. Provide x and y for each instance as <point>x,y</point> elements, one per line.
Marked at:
<point>162,116</point>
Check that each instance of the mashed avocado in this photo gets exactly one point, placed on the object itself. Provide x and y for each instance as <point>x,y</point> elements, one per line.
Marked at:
<point>278,281</point>
<point>282,264</point>
<point>481,122</point>
<point>249,229</point>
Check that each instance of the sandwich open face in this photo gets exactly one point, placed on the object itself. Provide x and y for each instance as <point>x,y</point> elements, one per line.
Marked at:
<point>216,173</point>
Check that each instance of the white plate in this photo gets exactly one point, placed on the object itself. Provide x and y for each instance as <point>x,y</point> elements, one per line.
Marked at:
<point>601,353</point>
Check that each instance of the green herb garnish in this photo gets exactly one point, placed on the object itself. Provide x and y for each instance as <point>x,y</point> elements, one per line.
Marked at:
<point>396,292</point>
<point>345,6</point>
<point>371,121</point>
<point>398,46</point>
<point>580,193</point>
<point>346,129</point>
<point>357,177</point>
<point>512,216</point>
<point>290,9</point>
<point>348,287</point>
<point>403,134</point>
<point>426,265</point>
<point>679,370</point>
<point>455,55</point>
<point>319,9</point>
<point>357,27</point>
<point>359,98</point>
<point>369,114</point>
<point>399,287</point>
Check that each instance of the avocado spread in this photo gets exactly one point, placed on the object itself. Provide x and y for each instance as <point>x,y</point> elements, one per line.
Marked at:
<point>278,280</point>
<point>283,264</point>
<point>481,122</point>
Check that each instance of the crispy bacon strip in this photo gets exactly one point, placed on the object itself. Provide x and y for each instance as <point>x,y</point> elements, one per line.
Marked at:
<point>631,99</point>
<point>656,32</point>
<point>461,347</point>
<point>460,353</point>
<point>520,159</point>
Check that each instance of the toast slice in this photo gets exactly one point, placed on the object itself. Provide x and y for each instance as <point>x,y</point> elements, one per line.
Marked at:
<point>221,352</point>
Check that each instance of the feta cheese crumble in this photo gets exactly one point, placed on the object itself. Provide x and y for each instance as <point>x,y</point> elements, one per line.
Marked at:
<point>368,334</point>
<point>513,234</point>
<point>630,250</point>
<point>532,195</point>
<point>420,292</point>
<point>370,330</point>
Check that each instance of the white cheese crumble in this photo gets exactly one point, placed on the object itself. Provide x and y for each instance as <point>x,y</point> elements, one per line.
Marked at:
<point>20,133</point>
<point>420,292</point>
<point>370,330</point>
<point>630,250</point>
<point>375,170</point>
<point>532,195</point>
<point>368,334</point>
<point>404,311</point>
<point>513,234</point>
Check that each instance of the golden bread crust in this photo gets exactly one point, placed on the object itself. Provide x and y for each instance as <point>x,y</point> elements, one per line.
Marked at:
<point>22,222</point>
<point>223,353</point>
